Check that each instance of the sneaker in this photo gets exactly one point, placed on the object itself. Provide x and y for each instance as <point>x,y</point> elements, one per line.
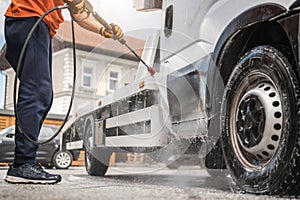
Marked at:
<point>30,173</point>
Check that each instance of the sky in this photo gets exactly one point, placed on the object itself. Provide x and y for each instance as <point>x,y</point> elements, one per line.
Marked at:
<point>120,12</point>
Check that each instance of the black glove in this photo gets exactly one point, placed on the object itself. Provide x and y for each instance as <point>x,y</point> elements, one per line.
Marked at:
<point>75,6</point>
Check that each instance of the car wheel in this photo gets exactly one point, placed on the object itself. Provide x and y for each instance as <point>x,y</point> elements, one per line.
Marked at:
<point>260,123</point>
<point>94,165</point>
<point>62,159</point>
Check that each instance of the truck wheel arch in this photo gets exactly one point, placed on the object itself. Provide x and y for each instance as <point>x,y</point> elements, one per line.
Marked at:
<point>251,17</point>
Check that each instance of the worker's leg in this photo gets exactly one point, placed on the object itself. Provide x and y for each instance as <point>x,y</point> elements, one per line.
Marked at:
<point>35,90</point>
<point>50,85</point>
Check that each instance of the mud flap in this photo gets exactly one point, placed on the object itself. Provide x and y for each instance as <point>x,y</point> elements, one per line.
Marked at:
<point>214,159</point>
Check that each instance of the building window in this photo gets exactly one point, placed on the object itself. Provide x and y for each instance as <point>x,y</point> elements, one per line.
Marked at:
<point>113,80</point>
<point>87,77</point>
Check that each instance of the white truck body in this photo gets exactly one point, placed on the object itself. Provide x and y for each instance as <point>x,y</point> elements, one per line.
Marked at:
<point>197,55</point>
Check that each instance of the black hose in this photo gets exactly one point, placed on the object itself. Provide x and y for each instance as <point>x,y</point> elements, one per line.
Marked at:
<point>18,72</point>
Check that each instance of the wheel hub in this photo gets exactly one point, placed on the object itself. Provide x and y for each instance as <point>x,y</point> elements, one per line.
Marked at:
<point>251,121</point>
<point>259,122</point>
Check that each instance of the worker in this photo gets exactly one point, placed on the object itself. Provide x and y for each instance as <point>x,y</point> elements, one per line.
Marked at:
<point>35,89</point>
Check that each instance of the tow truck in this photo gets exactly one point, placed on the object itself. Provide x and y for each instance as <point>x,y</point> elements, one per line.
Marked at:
<point>226,89</point>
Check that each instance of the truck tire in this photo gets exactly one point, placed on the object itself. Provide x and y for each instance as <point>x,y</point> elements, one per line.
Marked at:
<point>95,165</point>
<point>260,123</point>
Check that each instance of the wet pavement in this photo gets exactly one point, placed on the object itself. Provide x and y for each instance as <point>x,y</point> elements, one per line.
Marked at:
<point>141,182</point>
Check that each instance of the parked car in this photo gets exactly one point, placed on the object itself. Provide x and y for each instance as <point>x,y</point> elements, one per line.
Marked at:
<point>49,155</point>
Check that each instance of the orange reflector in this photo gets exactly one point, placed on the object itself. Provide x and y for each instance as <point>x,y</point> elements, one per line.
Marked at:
<point>99,103</point>
<point>142,84</point>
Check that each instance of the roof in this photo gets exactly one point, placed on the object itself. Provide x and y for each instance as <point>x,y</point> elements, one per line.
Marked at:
<point>89,41</point>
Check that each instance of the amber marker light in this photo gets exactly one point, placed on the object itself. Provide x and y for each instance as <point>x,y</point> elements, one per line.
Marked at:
<point>142,84</point>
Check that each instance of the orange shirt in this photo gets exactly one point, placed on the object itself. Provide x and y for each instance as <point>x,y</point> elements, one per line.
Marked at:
<point>36,8</point>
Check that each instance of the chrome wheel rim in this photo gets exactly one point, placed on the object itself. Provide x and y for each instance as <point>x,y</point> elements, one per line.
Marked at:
<point>63,160</point>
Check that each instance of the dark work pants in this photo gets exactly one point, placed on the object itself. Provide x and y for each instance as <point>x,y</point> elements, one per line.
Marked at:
<point>35,90</point>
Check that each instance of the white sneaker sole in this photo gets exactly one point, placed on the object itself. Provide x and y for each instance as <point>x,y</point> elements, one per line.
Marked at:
<point>13,179</point>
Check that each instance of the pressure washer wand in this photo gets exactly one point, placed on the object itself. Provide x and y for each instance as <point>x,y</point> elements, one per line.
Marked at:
<point>108,27</point>
<point>151,70</point>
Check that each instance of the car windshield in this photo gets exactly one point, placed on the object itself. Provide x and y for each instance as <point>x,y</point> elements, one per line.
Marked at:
<point>10,129</point>
<point>47,131</point>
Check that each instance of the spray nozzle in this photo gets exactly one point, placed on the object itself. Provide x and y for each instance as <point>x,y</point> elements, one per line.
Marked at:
<point>152,71</point>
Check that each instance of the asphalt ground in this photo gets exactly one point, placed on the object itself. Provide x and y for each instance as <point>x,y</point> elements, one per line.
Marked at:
<point>140,182</point>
